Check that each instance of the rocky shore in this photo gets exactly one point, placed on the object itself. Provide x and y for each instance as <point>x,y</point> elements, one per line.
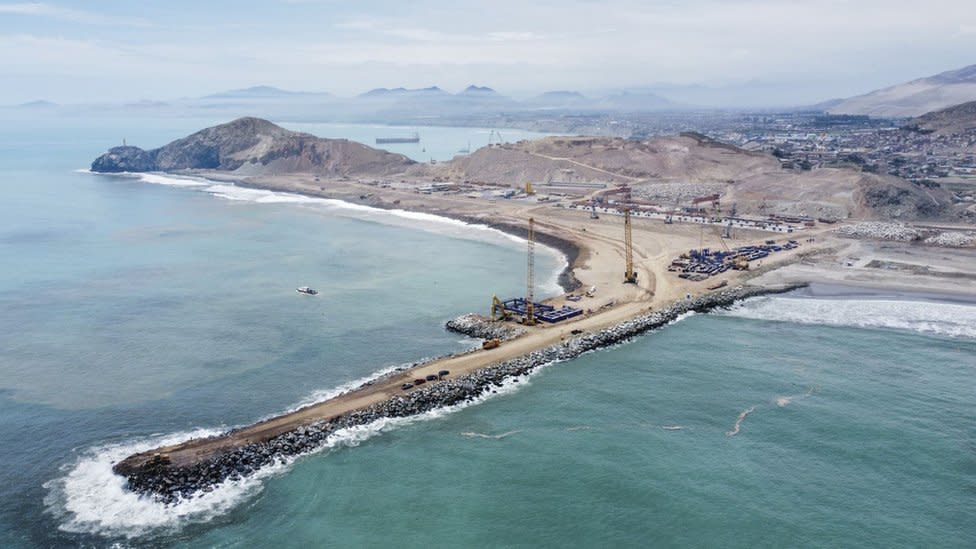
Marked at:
<point>169,484</point>
<point>480,327</point>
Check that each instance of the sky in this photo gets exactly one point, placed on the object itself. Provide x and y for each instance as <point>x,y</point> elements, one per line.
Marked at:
<point>752,51</point>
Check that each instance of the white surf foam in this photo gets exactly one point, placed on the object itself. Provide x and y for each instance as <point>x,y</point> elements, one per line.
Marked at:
<point>157,178</point>
<point>473,434</point>
<point>397,217</point>
<point>416,220</point>
<point>738,421</point>
<point>90,498</point>
<point>927,317</point>
<point>326,394</point>
<point>785,401</point>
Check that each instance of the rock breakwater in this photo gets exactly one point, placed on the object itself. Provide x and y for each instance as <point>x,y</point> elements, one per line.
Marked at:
<point>481,327</point>
<point>169,484</point>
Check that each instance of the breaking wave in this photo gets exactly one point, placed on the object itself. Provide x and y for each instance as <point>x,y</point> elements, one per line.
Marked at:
<point>402,218</point>
<point>738,421</point>
<point>473,434</point>
<point>926,317</point>
<point>90,498</point>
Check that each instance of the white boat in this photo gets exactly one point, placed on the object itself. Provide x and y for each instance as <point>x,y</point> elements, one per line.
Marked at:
<point>306,290</point>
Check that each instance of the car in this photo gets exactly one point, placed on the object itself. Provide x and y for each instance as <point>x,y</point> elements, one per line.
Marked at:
<point>419,381</point>
<point>407,386</point>
<point>443,373</point>
<point>432,377</point>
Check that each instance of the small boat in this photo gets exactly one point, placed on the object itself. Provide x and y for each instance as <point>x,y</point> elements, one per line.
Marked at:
<point>306,290</point>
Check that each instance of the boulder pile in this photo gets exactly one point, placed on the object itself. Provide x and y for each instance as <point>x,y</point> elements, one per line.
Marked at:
<point>880,230</point>
<point>952,239</point>
<point>481,327</point>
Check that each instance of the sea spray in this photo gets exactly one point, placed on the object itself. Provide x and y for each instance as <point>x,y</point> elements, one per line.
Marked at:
<point>935,318</point>
<point>91,498</point>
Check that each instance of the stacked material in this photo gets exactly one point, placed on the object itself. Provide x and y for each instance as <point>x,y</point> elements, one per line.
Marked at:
<point>670,193</point>
<point>880,230</point>
<point>480,327</point>
<point>952,239</point>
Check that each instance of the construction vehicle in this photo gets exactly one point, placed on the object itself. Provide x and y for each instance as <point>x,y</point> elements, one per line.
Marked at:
<point>528,188</point>
<point>669,219</point>
<point>491,344</point>
<point>630,275</point>
<point>498,310</point>
<point>739,261</point>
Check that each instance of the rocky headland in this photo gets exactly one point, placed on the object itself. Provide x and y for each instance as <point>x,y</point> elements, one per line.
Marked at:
<point>252,146</point>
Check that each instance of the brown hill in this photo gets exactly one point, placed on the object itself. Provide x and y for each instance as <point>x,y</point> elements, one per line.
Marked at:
<point>252,146</point>
<point>664,170</point>
<point>669,170</point>
<point>914,98</point>
<point>953,120</point>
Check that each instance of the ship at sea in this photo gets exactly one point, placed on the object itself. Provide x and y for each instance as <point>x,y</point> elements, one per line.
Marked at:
<point>415,138</point>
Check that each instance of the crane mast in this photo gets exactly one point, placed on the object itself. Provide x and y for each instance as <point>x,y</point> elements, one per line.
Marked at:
<point>530,275</point>
<point>630,275</point>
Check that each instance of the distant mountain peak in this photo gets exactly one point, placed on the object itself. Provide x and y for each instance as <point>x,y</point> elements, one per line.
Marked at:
<point>916,97</point>
<point>401,91</point>
<point>38,104</point>
<point>261,91</point>
<point>562,93</point>
<point>472,89</point>
<point>963,75</point>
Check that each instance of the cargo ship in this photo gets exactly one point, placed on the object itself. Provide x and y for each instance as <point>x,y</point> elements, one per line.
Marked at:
<point>415,138</point>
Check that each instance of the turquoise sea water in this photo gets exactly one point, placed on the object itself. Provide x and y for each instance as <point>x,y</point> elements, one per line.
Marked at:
<point>133,312</point>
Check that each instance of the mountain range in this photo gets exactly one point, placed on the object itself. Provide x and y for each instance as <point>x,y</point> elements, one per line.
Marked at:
<point>913,98</point>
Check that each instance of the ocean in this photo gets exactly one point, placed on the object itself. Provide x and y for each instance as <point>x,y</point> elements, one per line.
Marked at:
<point>139,310</point>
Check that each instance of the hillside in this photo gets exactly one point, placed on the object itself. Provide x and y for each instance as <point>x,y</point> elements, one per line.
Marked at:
<point>661,170</point>
<point>251,146</point>
<point>953,120</point>
<point>664,170</point>
<point>914,98</point>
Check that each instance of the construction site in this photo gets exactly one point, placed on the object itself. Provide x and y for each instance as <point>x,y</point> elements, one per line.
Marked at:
<point>632,265</point>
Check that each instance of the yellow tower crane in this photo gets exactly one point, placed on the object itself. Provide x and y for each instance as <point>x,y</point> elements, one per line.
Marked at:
<point>630,275</point>
<point>530,275</point>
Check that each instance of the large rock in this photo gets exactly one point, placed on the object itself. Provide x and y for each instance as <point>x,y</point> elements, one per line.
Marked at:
<point>125,159</point>
<point>253,146</point>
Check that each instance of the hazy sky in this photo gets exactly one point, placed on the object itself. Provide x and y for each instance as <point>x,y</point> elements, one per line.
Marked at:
<point>786,52</point>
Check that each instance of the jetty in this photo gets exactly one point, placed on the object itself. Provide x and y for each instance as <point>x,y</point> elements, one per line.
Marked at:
<point>182,470</point>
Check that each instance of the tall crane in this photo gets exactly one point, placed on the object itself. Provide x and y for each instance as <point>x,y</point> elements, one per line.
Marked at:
<point>630,275</point>
<point>530,275</point>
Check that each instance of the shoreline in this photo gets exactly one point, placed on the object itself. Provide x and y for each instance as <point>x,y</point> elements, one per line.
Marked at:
<point>570,250</point>
<point>621,312</point>
<point>825,289</point>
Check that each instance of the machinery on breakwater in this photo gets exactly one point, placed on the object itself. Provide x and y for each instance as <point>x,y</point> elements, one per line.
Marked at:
<point>528,310</point>
<point>230,457</point>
